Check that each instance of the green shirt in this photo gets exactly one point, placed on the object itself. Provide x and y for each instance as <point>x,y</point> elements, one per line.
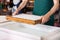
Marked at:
<point>41,7</point>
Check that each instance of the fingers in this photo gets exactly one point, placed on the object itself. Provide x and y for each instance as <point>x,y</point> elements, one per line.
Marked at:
<point>44,19</point>
<point>14,13</point>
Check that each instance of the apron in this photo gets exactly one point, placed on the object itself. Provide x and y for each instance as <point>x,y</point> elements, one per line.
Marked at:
<point>16,4</point>
<point>41,7</point>
<point>0,6</point>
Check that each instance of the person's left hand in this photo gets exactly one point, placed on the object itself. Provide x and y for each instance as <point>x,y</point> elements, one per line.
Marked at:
<point>45,19</point>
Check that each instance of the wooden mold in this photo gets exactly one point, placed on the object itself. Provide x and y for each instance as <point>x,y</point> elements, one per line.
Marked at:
<point>25,18</point>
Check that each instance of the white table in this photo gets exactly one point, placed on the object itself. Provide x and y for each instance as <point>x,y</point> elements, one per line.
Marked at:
<point>21,31</point>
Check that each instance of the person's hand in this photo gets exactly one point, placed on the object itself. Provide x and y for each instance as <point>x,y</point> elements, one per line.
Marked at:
<point>45,19</point>
<point>14,13</point>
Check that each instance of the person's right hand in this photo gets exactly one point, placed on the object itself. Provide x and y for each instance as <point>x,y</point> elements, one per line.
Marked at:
<point>14,13</point>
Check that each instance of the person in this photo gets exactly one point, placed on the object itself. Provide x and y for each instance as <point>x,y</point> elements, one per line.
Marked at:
<point>46,9</point>
<point>18,6</point>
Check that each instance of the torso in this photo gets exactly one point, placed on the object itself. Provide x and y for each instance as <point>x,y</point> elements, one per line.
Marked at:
<point>41,7</point>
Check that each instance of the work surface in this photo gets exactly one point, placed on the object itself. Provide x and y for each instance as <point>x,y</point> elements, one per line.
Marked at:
<point>21,31</point>
<point>35,31</point>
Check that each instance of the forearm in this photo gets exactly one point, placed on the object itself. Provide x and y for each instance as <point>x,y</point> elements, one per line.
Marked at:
<point>53,9</point>
<point>21,6</point>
